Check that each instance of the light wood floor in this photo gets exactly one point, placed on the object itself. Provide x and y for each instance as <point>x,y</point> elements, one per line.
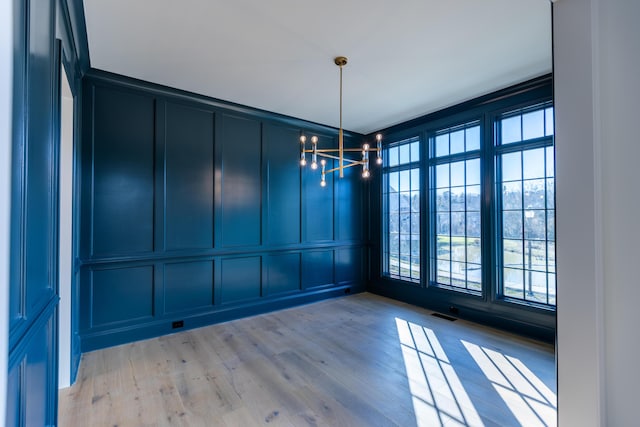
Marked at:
<point>360,360</point>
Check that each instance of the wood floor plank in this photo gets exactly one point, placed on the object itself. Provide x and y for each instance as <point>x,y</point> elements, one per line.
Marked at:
<point>361,360</point>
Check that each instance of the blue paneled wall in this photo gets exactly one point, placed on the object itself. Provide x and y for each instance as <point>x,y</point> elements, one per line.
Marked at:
<point>196,210</point>
<point>33,303</point>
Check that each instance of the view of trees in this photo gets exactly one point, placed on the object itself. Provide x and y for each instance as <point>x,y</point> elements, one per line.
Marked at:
<point>528,225</point>
<point>402,209</point>
<point>456,204</point>
<point>524,207</point>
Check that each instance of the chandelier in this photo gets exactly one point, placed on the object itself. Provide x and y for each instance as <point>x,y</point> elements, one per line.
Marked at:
<point>326,153</point>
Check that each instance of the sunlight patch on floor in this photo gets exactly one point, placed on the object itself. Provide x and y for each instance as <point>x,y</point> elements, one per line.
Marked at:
<point>439,399</point>
<point>528,398</point>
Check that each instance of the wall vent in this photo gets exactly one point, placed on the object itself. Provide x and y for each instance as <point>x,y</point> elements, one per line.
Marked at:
<point>444,316</point>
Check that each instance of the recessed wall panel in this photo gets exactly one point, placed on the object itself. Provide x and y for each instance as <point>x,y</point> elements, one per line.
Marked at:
<point>123,172</point>
<point>14,394</point>
<point>188,285</point>
<point>30,391</point>
<point>283,187</point>
<point>283,273</point>
<point>194,210</point>
<point>39,395</point>
<point>348,265</point>
<point>121,295</point>
<point>349,214</point>
<point>317,268</point>
<point>318,200</point>
<point>188,178</point>
<point>240,279</point>
<point>241,173</point>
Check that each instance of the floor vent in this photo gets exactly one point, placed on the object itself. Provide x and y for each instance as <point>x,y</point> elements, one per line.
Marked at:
<point>444,316</point>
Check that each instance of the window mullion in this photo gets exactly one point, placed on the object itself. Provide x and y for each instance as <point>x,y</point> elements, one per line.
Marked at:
<point>546,223</point>
<point>522,216</point>
<point>490,204</point>
<point>425,228</point>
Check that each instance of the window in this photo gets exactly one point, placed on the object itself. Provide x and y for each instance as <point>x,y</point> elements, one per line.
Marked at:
<point>525,193</point>
<point>401,210</point>
<point>468,208</point>
<point>454,207</point>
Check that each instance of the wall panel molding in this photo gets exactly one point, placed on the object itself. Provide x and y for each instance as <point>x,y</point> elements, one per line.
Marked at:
<point>33,269</point>
<point>282,191</point>
<point>188,177</point>
<point>122,173</point>
<point>188,286</point>
<point>168,93</point>
<point>121,295</point>
<point>217,220</point>
<point>282,273</point>
<point>239,153</point>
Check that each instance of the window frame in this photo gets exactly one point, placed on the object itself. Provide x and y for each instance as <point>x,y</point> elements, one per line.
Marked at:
<point>498,150</point>
<point>385,234</point>
<point>432,161</point>
<point>528,318</point>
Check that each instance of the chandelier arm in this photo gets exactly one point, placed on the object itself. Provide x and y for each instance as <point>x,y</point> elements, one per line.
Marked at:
<point>335,150</point>
<point>358,163</point>
<point>352,161</point>
<point>329,156</point>
<point>328,150</point>
<point>369,150</point>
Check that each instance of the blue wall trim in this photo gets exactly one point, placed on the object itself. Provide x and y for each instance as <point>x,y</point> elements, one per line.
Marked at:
<point>523,321</point>
<point>74,57</point>
<point>73,10</point>
<point>20,347</point>
<point>522,93</point>
<point>69,54</point>
<point>196,209</point>
<point>32,381</point>
<point>33,336</point>
<point>139,331</point>
<point>100,77</point>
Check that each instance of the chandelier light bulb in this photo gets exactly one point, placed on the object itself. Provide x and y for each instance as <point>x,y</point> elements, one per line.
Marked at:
<point>314,139</point>
<point>303,139</point>
<point>303,162</point>
<point>379,137</point>
<point>314,165</point>
<point>366,174</point>
<point>365,147</point>
<point>379,160</point>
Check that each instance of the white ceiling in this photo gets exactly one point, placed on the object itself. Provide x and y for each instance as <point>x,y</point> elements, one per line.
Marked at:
<point>407,58</point>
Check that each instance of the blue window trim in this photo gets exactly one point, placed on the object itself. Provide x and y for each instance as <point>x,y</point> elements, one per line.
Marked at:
<point>523,317</point>
<point>432,161</point>
<point>497,151</point>
<point>386,169</point>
